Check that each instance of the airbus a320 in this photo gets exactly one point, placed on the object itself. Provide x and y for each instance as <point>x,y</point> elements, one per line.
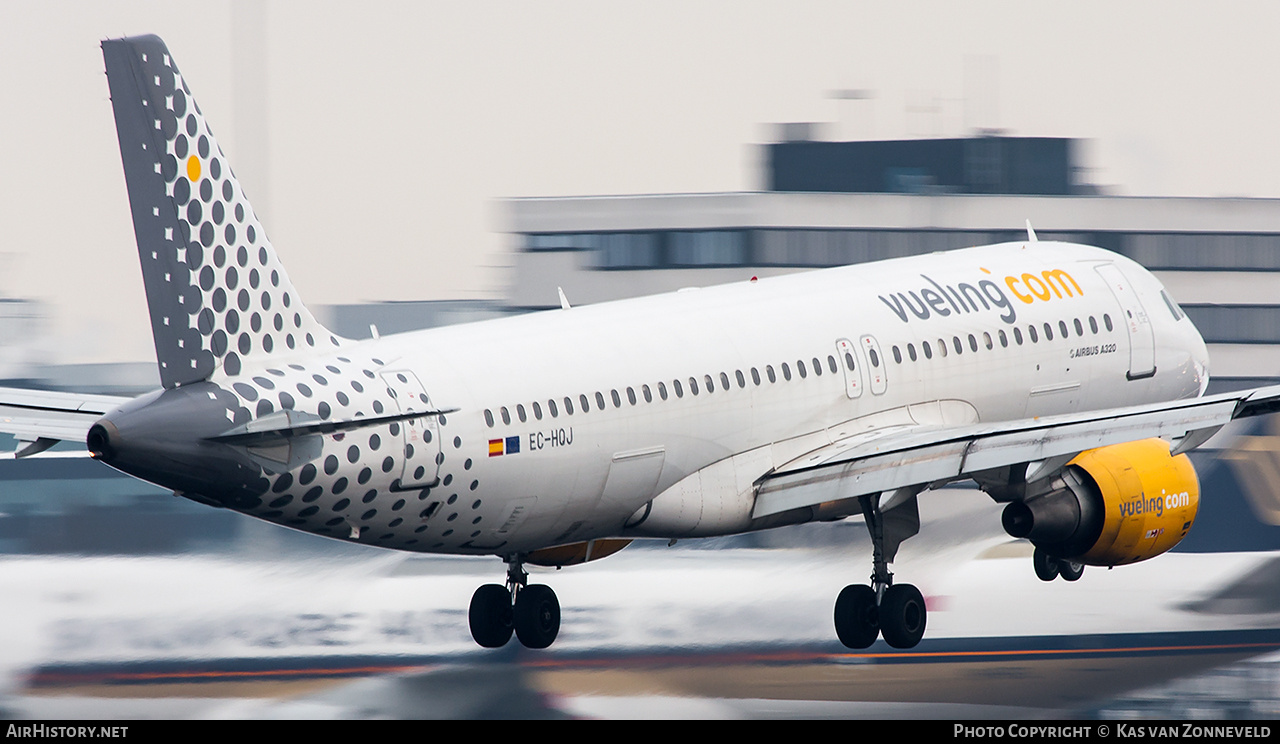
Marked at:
<point>1061,378</point>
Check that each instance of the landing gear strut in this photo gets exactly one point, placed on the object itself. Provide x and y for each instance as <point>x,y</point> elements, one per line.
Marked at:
<point>894,611</point>
<point>531,611</point>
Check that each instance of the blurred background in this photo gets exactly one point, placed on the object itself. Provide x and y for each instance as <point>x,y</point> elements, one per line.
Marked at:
<point>421,164</point>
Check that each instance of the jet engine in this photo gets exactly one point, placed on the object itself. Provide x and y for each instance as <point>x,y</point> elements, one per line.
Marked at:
<point>1111,506</point>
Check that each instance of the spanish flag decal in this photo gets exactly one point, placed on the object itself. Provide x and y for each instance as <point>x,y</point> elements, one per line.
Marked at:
<point>508,446</point>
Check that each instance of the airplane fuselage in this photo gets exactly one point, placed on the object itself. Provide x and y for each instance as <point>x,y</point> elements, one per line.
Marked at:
<point>569,422</point>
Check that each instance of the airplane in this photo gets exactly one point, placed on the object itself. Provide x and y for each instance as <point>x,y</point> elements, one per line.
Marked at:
<point>1062,379</point>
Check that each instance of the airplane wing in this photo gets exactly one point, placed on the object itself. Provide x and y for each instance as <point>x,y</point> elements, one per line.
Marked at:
<point>40,419</point>
<point>920,456</point>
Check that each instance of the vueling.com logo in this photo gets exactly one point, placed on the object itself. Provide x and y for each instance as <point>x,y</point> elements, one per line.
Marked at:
<point>964,297</point>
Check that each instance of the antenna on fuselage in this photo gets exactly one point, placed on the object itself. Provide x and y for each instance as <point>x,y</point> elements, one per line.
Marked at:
<point>564,301</point>
<point>1031,234</point>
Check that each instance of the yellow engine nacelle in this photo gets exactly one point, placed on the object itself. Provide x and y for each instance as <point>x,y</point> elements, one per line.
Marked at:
<point>1113,505</point>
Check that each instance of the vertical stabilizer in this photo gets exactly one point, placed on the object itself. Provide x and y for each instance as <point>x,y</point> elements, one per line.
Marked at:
<point>217,293</point>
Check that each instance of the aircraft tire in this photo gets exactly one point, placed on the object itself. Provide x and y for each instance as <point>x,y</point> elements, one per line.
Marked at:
<point>1070,570</point>
<point>902,616</point>
<point>537,616</point>
<point>1046,566</point>
<point>490,616</point>
<point>857,617</point>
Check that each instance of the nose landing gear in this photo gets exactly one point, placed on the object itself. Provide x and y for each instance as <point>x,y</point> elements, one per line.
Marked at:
<point>1049,568</point>
<point>531,611</point>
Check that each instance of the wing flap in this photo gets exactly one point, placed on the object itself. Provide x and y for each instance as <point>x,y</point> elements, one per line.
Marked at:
<point>931,456</point>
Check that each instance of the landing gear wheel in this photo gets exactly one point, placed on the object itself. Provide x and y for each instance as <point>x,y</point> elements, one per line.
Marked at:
<point>490,616</point>
<point>857,617</point>
<point>1070,570</point>
<point>537,616</point>
<point>1045,564</point>
<point>902,616</point>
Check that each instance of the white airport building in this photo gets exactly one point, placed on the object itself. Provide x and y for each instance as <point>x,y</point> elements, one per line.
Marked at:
<point>1218,257</point>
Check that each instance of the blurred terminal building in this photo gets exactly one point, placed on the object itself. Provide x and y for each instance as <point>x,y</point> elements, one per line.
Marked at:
<point>835,203</point>
<point>823,204</point>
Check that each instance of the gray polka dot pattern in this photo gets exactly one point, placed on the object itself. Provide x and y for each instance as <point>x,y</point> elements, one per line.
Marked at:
<point>223,310</point>
<point>218,295</point>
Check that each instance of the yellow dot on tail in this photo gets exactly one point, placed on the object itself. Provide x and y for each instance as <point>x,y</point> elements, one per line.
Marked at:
<point>193,168</point>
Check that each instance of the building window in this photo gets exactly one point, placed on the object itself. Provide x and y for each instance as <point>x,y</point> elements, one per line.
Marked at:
<point>708,248</point>
<point>626,250</point>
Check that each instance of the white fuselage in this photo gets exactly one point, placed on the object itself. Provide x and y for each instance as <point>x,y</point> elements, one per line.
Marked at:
<point>691,378</point>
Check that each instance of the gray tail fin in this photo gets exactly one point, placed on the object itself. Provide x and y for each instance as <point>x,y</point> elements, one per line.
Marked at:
<point>218,295</point>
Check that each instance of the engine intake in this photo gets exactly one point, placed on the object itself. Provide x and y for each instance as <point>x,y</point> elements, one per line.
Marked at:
<point>1112,505</point>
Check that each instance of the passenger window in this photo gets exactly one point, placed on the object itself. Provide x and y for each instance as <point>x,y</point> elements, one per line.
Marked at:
<point>817,367</point>
<point>693,385</point>
<point>710,384</point>
<point>568,405</point>
<point>648,396</point>
<point>537,411</point>
<point>1004,339</point>
<point>1035,339</point>
<point>755,376</point>
<point>1106,321</point>
<point>724,381</point>
<point>506,416</point>
<point>1079,327</point>
<point>1048,332</point>
<point>973,343</point>
<point>631,396</point>
<point>848,361</point>
<point>897,355</point>
<point>551,406</point>
<point>928,351</point>
<point>586,405</point>
<point>617,399</point>
<point>986,339</point>
<point>662,390</point>
<point>875,358</point>
<point>599,400</point>
<point>768,370</point>
<point>786,372</point>
<point>679,389</point>
<point>942,347</point>
<point>1017,336</point>
<point>742,381</point>
<point>1093,325</point>
<point>1062,328</point>
<point>831,364</point>
<point>955,343</point>
<point>911,351</point>
<point>520,413</point>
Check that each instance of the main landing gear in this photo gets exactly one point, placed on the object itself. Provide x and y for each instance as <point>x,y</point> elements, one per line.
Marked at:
<point>530,610</point>
<point>895,611</point>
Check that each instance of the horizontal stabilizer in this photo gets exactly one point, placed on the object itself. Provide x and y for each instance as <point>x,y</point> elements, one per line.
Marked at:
<point>40,418</point>
<point>287,424</point>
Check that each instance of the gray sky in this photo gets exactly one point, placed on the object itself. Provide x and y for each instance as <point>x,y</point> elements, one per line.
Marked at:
<point>391,128</point>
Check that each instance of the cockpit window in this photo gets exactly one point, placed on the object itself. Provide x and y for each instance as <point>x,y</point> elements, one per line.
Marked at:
<point>1173,306</point>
